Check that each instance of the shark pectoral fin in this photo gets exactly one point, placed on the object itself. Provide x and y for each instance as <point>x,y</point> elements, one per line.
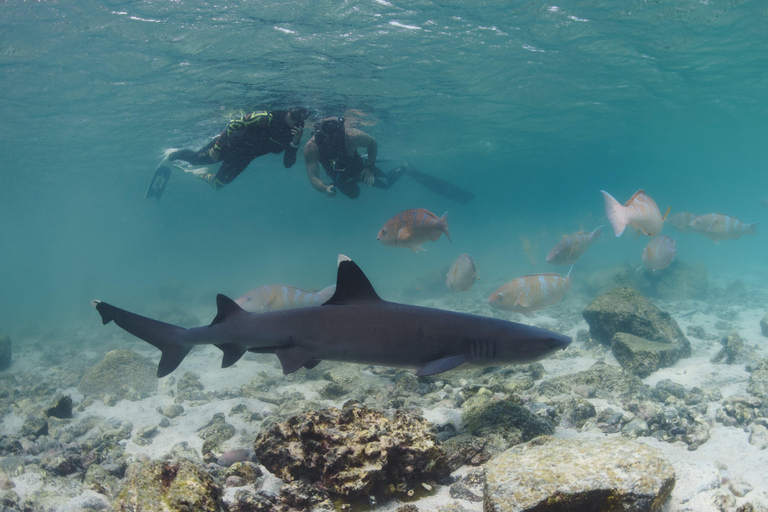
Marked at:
<point>442,365</point>
<point>293,358</point>
<point>232,354</point>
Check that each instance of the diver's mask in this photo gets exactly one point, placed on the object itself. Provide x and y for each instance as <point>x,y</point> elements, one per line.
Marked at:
<point>299,114</point>
<point>330,128</point>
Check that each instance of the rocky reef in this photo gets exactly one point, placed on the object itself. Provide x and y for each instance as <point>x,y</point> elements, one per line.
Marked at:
<point>354,452</point>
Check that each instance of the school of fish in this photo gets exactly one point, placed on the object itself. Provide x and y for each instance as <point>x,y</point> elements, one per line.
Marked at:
<point>526,294</point>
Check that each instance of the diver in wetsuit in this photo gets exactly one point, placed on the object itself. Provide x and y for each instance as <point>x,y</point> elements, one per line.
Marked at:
<point>335,148</point>
<point>245,139</point>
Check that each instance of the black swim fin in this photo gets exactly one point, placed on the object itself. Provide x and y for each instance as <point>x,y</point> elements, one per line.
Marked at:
<point>159,180</point>
<point>441,187</point>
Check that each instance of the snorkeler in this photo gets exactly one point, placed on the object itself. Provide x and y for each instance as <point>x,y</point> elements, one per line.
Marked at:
<point>335,148</point>
<point>244,139</point>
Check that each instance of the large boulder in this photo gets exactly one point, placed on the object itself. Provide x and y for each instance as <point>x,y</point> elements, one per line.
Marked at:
<point>553,475</point>
<point>625,310</point>
<point>642,357</point>
<point>355,452</point>
<point>120,373</point>
<point>606,381</point>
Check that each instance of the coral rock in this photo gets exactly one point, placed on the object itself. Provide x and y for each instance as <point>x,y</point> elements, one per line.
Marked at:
<point>355,453</point>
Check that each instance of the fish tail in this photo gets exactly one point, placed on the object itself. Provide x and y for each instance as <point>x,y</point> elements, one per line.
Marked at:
<point>752,228</point>
<point>615,213</point>
<point>444,226</point>
<point>166,337</point>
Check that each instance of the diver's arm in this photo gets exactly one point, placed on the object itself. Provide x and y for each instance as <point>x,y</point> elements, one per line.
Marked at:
<point>289,158</point>
<point>313,169</point>
<point>360,139</point>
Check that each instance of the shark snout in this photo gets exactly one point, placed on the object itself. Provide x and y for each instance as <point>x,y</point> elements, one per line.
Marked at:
<point>559,341</point>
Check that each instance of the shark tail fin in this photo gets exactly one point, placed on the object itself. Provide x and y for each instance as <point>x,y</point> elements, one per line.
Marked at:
<point>166,337</point>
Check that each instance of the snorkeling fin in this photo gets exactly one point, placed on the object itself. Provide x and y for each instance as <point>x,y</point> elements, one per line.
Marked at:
<point>159,180</point>
<point>441,187</point>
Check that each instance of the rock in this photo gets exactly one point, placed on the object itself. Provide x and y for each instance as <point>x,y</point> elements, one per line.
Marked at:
<point>215,432</point>
<point>758,436</point>
<point>171,411</point>
<point>608,382</point>
<point>355,452</point>
<point>35,424</point>
<point>157,485</point>
<point>120,373</point>
<point>642,357</point>
<point>764,325</point>
<point>549,474</point>
<point>733,350</point>
<point>758,380</point>
<point>62,408</point>
<point>625,310</point>
<point>6,352</point>
<point>483,413</point>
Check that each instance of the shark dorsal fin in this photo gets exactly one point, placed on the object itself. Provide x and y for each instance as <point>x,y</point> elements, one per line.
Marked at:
<point>351,284</point>
<point>227,308</point>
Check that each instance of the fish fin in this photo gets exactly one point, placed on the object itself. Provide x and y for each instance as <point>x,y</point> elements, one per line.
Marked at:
<point>521,301</point>
<point>640,230</point>
<point>166,337</point>
<point>615,213</point>
<point>664,217</point>
<point>232,353</point>
<point>293,358</point>
<point>227,308</point>
<point>442,365</point>
<point>351,284</point>
<point>444,226</point>
<point>417,248</point>
<point>631,199</point>
<point>596,233</point>
<point>403,234</point>
<point>752,228</point>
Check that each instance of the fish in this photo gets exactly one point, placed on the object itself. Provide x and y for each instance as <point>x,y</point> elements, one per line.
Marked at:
<point>659,253</point>
<point>682,221</point>
<point>530,293</point>
<point>412,228</point>
<point>462,274</point>
<point>718,226</point>
<point>572,246</point>
<point>353,326</point>
<point>282,296</point>
<point>232,456</point>
<point>639,212</point>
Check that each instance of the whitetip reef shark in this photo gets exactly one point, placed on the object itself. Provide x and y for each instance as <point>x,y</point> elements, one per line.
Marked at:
<point>354,326</point>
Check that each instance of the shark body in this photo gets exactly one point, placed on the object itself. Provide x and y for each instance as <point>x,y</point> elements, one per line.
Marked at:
<point>355,325</point>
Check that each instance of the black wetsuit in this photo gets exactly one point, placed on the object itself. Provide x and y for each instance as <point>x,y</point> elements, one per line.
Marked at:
<point>346,170</point>
<point>244,139</point>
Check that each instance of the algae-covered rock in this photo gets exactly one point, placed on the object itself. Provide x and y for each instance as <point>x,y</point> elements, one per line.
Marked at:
<point>483,413</point>
<point>758,380</point>
<point>355,452</point>
<point>608,382</point>
<point>556,475</point>
<point>625,310</point>
<point>642,357</point>
<point>121,373</point>
<point>166,486</point>
<point>734,350</point>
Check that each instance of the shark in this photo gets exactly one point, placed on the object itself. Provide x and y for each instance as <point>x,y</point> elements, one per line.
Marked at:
<point>355,325</point>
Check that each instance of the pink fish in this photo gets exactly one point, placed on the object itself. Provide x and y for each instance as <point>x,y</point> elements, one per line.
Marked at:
<point>530,293</point>
<point>659,253</point>
<point>462,274</point>
<point>412,228</point>
<point>721,227</point>
<point>272,297</point>
<point>639,212</point>
<point>682,221</point>
<point>572,246</point>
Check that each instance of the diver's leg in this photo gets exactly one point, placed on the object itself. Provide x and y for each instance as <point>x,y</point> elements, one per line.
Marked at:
<point>349,188</point>
<point>231,167</point>
<point>201,157</point>
<point>386,180</point>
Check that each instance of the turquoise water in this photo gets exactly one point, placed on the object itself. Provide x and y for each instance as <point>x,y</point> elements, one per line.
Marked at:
<point>533,106</point>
